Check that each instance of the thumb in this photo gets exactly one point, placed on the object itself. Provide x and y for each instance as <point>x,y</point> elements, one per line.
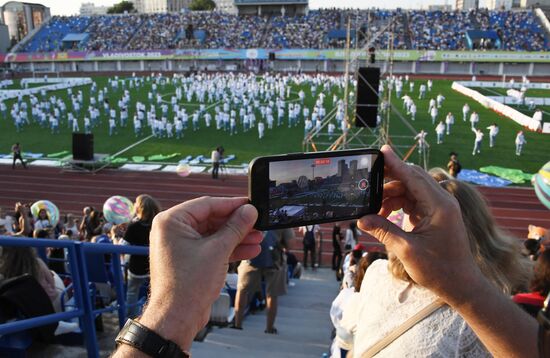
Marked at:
<point>383,230</point>
<point>236,228</point>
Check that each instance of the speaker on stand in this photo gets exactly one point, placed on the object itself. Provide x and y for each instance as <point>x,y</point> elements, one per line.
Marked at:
<point>83,146</point>
<point>366,109</point>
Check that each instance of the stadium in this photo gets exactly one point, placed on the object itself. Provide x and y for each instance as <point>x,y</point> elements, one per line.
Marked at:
<point>174,98</point>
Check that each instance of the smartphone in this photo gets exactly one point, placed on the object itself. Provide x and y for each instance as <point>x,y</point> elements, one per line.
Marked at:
<point>311,188</point>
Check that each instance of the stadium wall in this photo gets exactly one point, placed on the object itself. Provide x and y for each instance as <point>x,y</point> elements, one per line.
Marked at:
<point>415,68</point>
<point>414,62</point>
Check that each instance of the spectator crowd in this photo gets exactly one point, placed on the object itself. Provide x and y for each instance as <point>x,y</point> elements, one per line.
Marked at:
<point>47,266</point>
<point>318,29</point>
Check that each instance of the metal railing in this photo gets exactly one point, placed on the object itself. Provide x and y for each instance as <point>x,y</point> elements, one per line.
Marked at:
<point>84,307</point>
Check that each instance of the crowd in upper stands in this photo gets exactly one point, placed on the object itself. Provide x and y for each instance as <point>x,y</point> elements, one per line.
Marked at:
<point>437,30</point>
<point>112,32</point>
<point>308,31</point>
<point>318,29</point>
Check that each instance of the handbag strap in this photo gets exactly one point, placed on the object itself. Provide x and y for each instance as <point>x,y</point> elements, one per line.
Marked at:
<point>404,327</point>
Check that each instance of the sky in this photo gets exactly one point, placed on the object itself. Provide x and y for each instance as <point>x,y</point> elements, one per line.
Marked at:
<point>71,7</point>
<point>286,171</point>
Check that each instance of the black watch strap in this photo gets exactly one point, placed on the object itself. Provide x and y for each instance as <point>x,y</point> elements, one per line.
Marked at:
<point>145,340</point>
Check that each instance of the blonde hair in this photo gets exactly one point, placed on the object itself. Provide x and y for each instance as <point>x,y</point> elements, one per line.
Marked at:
<point>497,255</point>
<point>146,208</point>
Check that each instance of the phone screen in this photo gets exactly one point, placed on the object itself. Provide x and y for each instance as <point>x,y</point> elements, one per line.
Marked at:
<point>322,188</point>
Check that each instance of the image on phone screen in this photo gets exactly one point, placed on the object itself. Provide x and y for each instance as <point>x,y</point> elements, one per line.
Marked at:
<point>319,188</point>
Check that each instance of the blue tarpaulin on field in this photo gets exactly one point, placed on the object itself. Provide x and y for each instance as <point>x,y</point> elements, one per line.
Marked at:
<point>473,176</point>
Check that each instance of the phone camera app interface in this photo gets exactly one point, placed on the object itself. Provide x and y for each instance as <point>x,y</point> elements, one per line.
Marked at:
<point>320,188</point>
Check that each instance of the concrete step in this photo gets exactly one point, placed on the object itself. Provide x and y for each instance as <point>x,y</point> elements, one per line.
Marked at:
<point>303,325</point>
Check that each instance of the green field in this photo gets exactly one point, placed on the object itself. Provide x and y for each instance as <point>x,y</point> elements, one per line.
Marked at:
<point>283,139</point>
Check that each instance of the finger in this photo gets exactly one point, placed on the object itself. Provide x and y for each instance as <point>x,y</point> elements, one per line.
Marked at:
<point>245,252</point>
<point>418,183</point>
<point>384,231</point>
<point>253,238</point>
<point>394,188</point>
<point>248,248</point>
<point>198,211</point>
<point>239,226</point>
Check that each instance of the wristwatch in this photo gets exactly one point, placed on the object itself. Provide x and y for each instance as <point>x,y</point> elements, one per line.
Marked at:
<point>145,340</point>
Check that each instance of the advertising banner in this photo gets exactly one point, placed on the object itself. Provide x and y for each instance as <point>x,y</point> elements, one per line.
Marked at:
<point>280,54</point>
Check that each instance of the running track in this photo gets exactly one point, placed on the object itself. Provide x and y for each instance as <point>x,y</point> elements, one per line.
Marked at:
<point>514,208</point>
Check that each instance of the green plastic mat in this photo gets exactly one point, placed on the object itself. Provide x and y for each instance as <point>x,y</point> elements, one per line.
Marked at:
<point>161,157</point>
<point>119,160</point>
<point>116,160</point>
<point>58,154</point>
<point>516,176</point>
<point>138,159</point>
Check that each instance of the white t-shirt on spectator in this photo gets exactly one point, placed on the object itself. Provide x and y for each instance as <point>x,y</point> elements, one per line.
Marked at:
<point>386,302</point>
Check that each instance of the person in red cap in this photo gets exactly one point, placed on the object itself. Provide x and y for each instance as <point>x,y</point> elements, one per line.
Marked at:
<point>359,247</point>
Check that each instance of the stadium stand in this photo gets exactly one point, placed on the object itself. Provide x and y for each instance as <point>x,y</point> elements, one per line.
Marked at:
<point>444,32</point>
<point>112,32</point>
<point>520,30</point>
<point>319,29</point>
<point>309,31</point>
<point>50,36</point>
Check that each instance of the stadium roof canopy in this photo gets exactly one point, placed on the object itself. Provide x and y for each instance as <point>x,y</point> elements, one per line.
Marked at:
<point>75,37</point>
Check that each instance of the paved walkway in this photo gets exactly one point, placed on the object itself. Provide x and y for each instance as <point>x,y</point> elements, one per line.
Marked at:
<point>303,324</point>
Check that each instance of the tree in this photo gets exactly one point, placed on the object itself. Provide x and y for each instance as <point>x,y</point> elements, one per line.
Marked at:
<point>121,8</point>
<point>202,5</point>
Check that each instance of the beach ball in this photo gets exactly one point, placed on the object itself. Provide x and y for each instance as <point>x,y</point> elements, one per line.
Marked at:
<point>397,217</point>
<point>183,170</point>
<point>51,210</point>
<point>541,182</point>
<point>118,210</point>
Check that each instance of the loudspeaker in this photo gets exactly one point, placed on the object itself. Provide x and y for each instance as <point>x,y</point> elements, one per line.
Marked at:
<point>83,146</point>
<point>372,55</point>
<point>272,56</point>
<point>366,108</point>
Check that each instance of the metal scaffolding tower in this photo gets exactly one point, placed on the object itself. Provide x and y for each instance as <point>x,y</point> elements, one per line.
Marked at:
<point>317,139</point>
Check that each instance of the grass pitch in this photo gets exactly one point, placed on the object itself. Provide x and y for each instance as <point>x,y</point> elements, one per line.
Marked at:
<point>282,139</point>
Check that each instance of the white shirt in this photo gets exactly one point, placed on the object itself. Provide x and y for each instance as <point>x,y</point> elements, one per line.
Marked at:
<point>350,239</point>
<point>440,128</point>
<point>493,130</point>
<point>343,320</point>
<point>304,229</point>
<point>479,135</point>
<point>520,139</point>
<point>421,136</point>
<point>215,156</point>
<point>386,302</point>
